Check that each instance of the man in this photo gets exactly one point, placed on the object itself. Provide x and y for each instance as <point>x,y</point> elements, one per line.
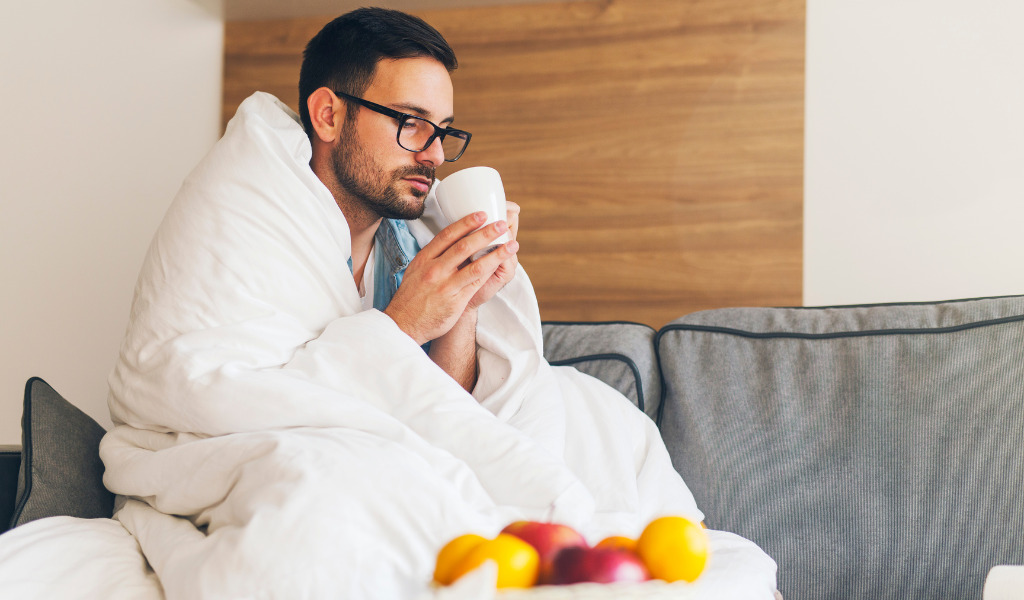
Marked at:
<point>279,430</point>
<point>377,57</point>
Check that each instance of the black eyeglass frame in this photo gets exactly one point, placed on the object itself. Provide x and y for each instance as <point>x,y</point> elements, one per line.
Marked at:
<point>401,117</point>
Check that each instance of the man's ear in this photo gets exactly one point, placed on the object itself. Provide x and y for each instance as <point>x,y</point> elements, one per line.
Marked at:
<point>327,114</point>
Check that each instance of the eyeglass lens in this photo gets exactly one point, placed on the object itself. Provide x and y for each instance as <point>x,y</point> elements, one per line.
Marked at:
<point>415,135</point>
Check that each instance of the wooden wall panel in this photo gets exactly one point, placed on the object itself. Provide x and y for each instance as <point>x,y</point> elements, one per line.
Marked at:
<point>656,146</point>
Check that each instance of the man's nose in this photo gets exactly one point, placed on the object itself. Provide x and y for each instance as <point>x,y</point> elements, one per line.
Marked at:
<point>432,154</point>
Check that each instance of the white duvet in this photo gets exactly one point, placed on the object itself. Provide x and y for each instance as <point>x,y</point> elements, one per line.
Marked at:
<point>273,440</point>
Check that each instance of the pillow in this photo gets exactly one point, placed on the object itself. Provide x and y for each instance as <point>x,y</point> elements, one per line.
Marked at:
<point>873,451</point>
<point>10,461</point>
<point>620,354</point>
<point>61,472</point>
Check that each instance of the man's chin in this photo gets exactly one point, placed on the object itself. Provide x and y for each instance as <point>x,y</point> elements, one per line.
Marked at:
<point>417,212</point>
<point>407,210</point>
<point>415,202</point>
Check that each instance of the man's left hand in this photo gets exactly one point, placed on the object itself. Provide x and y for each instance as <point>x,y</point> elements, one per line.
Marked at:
<point>506,271</point>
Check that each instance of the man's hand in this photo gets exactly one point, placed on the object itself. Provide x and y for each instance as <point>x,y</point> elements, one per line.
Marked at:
<point>440,281</point>
<point>455,350</point>
<point>507,269</point>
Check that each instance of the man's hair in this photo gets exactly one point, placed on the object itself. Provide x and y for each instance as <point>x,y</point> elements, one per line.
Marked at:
<point>343,56</point>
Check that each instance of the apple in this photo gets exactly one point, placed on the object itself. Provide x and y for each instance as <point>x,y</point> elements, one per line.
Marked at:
<point>598,565</point>
<point>548,539</point>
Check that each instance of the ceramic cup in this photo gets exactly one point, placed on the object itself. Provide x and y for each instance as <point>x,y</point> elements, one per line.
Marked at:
<point>471,190</point>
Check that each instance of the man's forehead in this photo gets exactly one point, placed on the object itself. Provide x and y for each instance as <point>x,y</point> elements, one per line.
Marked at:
<point>419,85</point>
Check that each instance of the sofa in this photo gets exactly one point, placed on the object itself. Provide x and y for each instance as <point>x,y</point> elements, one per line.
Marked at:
<point>873,451</point>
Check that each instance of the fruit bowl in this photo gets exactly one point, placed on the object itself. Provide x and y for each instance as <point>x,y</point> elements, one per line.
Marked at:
<point>654,589</point>
<point>543,560</point>
<point>479,584</point>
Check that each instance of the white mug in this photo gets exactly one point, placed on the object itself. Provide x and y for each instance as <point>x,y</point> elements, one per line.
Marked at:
<point>471,190</point>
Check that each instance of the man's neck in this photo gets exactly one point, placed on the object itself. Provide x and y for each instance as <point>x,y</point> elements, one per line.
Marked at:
<point>362,222</point>
<point>362,225</point>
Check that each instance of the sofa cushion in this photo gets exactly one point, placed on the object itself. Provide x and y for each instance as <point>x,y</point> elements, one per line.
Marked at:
<point>61,472</point>
<point>619,353</point>
<point>873,451</point>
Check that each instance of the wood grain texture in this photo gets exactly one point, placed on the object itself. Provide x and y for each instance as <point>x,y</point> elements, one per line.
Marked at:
<point>656,146</point>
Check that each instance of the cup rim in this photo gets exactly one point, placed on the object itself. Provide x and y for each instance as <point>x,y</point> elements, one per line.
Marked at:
<point>451,175</point>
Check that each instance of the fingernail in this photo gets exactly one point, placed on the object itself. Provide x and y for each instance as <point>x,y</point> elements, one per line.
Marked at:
<point>479,216</point>
<point>512,246</point>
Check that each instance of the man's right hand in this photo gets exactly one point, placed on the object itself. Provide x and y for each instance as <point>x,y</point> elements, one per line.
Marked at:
<point>440,281</point>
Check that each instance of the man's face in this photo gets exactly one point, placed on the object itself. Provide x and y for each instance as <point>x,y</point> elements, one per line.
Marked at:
<point>368,162</point>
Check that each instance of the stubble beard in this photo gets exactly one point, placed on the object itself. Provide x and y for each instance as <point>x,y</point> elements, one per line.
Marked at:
<point>378,191</point>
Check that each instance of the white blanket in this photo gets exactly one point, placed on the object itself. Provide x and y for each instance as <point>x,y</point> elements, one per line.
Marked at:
<point>276,441</point>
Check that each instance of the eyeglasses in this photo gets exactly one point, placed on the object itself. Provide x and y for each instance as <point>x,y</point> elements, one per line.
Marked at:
<point>416,134</point>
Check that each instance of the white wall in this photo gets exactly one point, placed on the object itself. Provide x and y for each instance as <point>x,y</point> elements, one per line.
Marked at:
<point>914,179</point>
<point>104,108</point>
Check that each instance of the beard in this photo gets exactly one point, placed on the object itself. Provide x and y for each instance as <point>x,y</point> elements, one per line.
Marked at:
<point>377,190</point>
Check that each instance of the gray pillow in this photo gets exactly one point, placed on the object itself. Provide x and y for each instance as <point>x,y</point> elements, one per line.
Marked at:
<point>873,451</point>
<point>10,461</point>
<point>618,353</point>
<point>61,472</point>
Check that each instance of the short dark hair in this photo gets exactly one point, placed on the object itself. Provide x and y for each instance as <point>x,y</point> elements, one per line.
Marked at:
<point>344,54</point>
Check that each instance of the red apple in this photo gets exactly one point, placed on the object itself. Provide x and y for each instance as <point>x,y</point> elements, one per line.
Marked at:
<point>548,539</point>
<point>598,565</point>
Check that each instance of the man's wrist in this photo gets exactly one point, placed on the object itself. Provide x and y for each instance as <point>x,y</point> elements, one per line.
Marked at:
<point>469,315</point>
<point>407,329</point>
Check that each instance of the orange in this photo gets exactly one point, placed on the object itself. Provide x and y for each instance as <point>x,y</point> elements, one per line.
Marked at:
<point>673,548</point>
<point>517,561</point>
<point>452,554</point>
<point>619,542</point>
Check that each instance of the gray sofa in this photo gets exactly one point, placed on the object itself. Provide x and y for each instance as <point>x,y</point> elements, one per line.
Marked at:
<point>873,451</point>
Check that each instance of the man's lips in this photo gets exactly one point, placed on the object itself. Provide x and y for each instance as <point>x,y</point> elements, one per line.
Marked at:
<point>420,183</point>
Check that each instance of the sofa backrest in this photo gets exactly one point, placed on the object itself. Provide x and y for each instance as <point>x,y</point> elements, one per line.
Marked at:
<point>873,451</point>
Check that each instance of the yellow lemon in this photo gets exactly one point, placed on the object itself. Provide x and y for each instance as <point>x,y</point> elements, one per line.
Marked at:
<point>673,548</point>
<point>452,554</point>
<point>517,561</point>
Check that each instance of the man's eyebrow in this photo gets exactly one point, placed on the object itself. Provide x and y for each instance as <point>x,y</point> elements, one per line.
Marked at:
<point>419,111</point>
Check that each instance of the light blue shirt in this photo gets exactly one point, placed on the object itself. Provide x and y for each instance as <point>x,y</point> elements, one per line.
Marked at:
<point>394,247</point>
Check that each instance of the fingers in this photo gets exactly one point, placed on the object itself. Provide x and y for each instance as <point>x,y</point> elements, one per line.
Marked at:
<point>451,234</point>
<point>451,273</point>
<point>500,277</point>
<point>441,282</point>
<point>512,209</point>
<point>474,275</point>
<point>459,230</point>
<point>462,249</point>
<point>505,260</point>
